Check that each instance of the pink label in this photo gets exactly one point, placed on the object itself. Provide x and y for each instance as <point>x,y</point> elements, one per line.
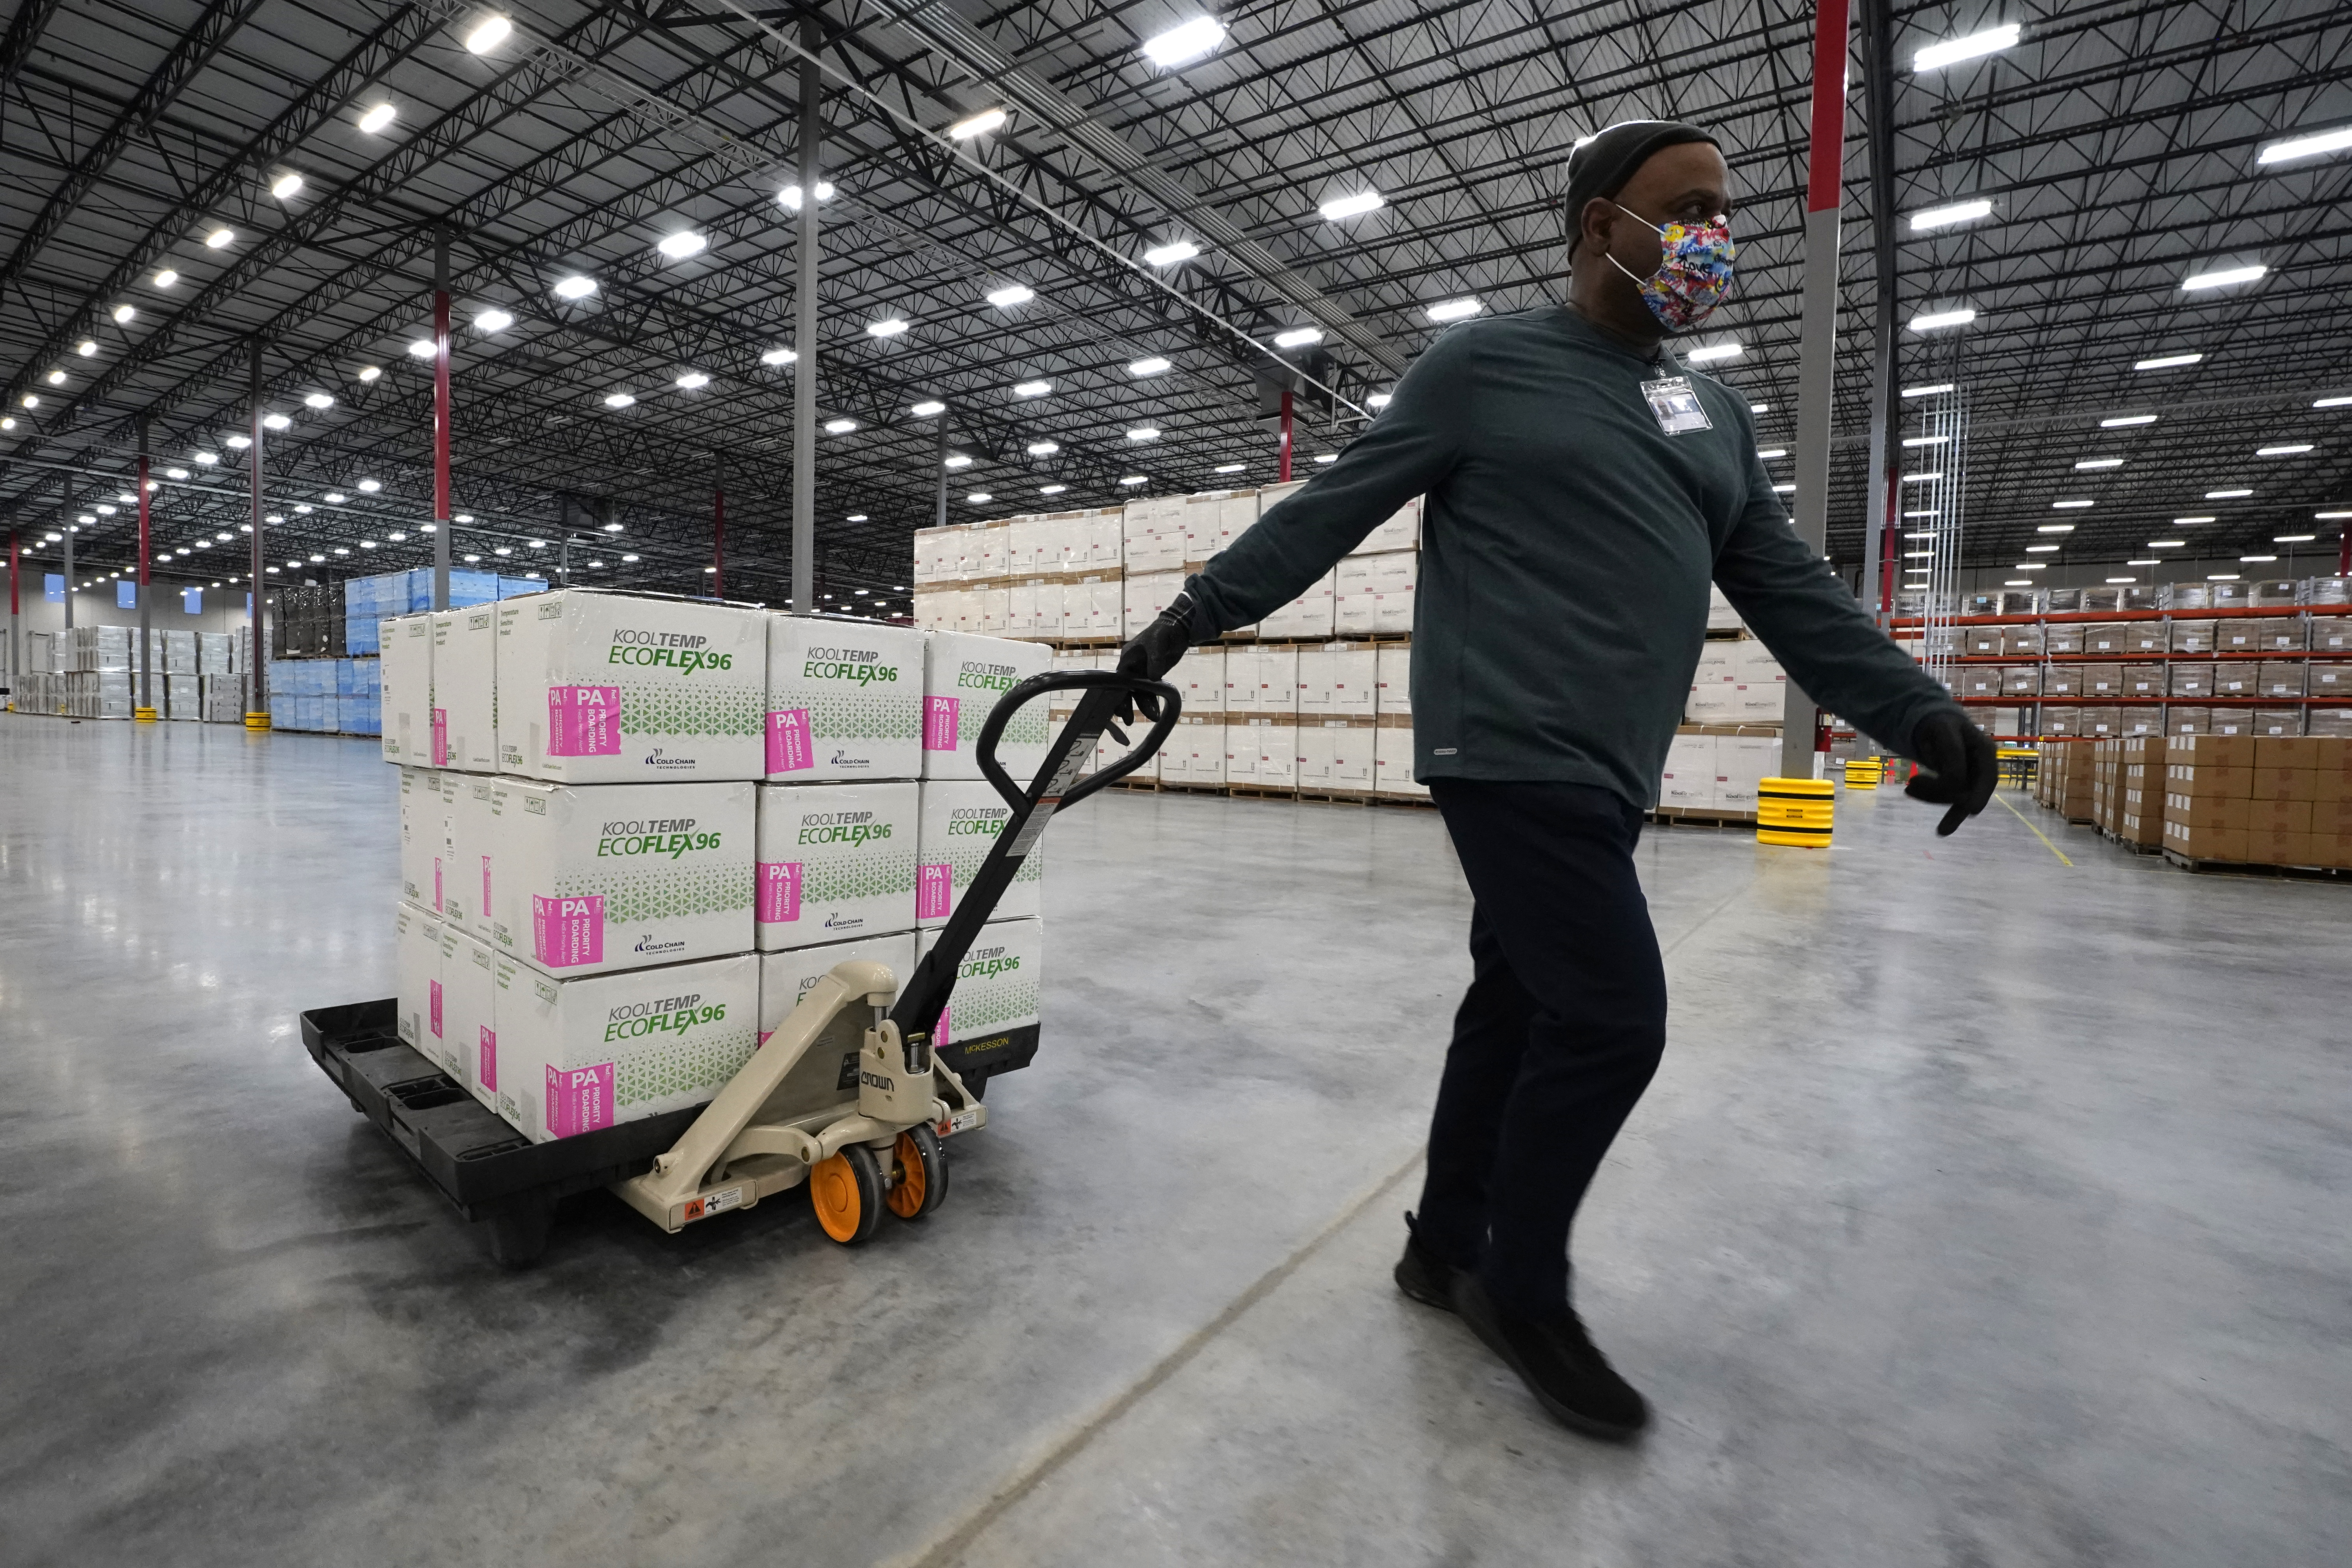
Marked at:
<point>791,746</point>
<point>486,887</point>
<point>488,1063</point>
<point>934,891</point>
<point>780,891</point>
<point>939,723</point>
<point>940,1030</point>
<point>763,1038</point>
<point>437,905</point>
<point>566,932</point>
<point>583,720</point>
<point>436,986</point>
<point>440,737</point>
<point>579,1099</point>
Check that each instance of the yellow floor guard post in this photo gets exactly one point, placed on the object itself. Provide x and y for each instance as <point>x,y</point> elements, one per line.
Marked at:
<point>142,715</point>
<point>1794,810</point>
<point>256,721</point>
<point>1861,772</point>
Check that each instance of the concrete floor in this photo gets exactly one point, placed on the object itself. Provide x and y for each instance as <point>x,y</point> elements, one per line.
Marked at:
<point>1989,1211</point>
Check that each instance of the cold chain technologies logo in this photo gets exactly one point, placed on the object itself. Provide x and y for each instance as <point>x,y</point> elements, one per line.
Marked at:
<point>670,1016</point>
<point>852,664</point>
<point>674,837</point>
<point>681,651</point>
<point>850,828</point>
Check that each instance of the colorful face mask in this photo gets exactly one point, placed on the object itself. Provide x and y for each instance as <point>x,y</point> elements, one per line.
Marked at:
<point>1692,274</point>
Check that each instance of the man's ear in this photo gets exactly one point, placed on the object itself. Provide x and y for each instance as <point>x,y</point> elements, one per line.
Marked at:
<point>1592,226</point>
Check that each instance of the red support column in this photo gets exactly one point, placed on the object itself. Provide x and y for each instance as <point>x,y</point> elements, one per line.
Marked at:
<point>1285,434</point>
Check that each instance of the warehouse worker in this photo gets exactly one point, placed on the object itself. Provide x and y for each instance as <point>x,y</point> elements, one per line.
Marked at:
<point>1581,487</point>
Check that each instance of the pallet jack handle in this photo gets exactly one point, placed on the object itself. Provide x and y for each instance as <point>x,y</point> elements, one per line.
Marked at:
<point>1109,695</point>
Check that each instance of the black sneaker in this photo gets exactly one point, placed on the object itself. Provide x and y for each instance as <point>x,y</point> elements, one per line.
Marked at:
<point>1422,1274</point>
<point>1558,1361</point>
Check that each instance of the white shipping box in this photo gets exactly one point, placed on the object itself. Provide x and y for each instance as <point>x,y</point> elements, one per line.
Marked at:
<point>845,700</point>
<point>1241,747</point>
<point>835,861</point>
<point>423,836</point>
<point>1308,615</point>
<point>469,1039</point>
<point>1146,596</point>
<point>1759,687</point>
<point>1027,542</point>
<point>609,688</point>
<point>1688,783</point>
<point>1277,680</point>
<point>582,1053</point>
<point>1195,751</point>
<point>960,822</point>
<point>448,882</point>
<point>1102,539</point>
<point>1740,761</point>
<point>406,672</point>
<point>1104,603</point>
<point>1200,679</point>
<point>1720,616</point>
<point>1236,514</point>
<point>998,985</point>
<point>1396,676</point>
<point>963,678</point>
<point>1393,762</point>
<point>592,878</point>
<point>1401,532</point>
<point>416,978</point>
<point>465,689</point>
<point>1277,751</point>
<point>473,834</point>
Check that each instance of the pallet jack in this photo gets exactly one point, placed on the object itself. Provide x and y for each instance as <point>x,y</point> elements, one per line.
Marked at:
<point>875,1144</point>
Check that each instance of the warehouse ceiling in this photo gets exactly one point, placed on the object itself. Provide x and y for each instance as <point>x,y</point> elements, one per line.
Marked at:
<point>152,235</point>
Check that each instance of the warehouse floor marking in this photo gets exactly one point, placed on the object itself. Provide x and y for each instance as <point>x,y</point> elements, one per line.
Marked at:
<point>1030,1476</point>
<point>2035,831</point>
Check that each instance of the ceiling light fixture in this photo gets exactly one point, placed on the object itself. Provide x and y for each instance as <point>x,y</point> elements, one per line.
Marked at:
<point>1051,490</point>
<point>980,124</point>
<point>1327,456</point>
<point>1937,321</point>
<point>2168,544</point>
<point>1032,388</point>
<point>123,314</point>
<point>888,327</point>
<point>692,381</point>
<point>378,118</point>
<point>368,372</point>
<point>1143,433</point>
<point>1455,309</point>
<point>1131,480</point>
<point>1378,400</point>
<point>1941,386</point>
<point>1184,43</point>
<point>979,498</point>
<point>369,486</point>
<point>2284,450</point>
<point>2125,421</point>
<point>1925,440</point>
<point>277,421</point>
<point>2089,463</point>
<point>1150,365</point>
<point>1231,467</point>
<point>2225,277</point>
<point>2188,521</point>
<point>166,277</point>
<point>488,34</point>
<point>2145,561</point>
<point>2070,505</point>
<point>957,460</point>
<point>1952,51</point>
<point>791,194</point>
<point>2228,495</point>
<point>839,427</point>
<point>2310,146</point>
<point>2339,401</point>
<point>2167,362</point>
<point>1339,209</point>
<point>2258,558</point>
<point>492,320</point>
<point>1297,336</point>
<point>1944,218</point>
<point>679,246</point>
<point>1012,294</point>
<point>2292,538</point>
<point>576,287</point>
<point>778,357</point>
<point>1769,452</point>
<point>286,187</point>
<point>319,400</point>
<point>929,409</point>
<point>1170,254</point>
<point>1043,448</point>
<point>619,400</point>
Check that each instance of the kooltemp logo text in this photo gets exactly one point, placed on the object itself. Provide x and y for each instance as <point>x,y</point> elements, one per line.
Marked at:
<point>850,828</point>
<point>671,837</point>
<point>986,821</point>
<point>985,962</point>
<point>673,651</point>
<point>989,677</point>
<point>847,664</point>
<point>672,1015</point>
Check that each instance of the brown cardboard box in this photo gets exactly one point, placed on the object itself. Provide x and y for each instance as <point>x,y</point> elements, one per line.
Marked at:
<point>2237,678</point>
<point>2279,678</point>
<point>2331,815</point>
<point>2015,640</point>
<point>2224,751</point>
<point>2065,636</point>
<point>2103,722</point>
<point>2278,815</point>
<point>2062,680</point>
<point>2287,751</point>
<point>2327,722</point>
<point>2238,722</point>
<point>2205,843</point>
<point>1982,640</point>
<point>2238,636</point>
<point>2192,636</point>
<point>2145,680</point>
<point>2278,633</point>
<point>2103,680</point>
<point>2145,636</point>
<point>2332,849</point>
<point>2328,680</point>
<point>2285,784</point>
<point>2327,784</point>
<point>2205,779</point>
<point>2276,721</point>
<point>2061,719</point>
<point>2281,848</point>
<point>2179,720</point>
<point>2209,811</point>
<point>2331,633</point>
<point>2020,680</point>
<point>2102,637</point>
<point>1980,680</point>
<point>2192,681</point>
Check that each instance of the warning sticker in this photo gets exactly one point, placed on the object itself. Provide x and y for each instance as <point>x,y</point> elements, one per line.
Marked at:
<point>709,1204</point>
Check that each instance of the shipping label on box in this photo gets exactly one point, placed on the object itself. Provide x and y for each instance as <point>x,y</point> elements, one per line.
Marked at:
<point>999,984</point>
<point>835,861</point>
<point>469,1038</point>
<point>609,688</point>
<point>963,679</point>
<point>595,878</point>
<point>845,700</point>
<point>959,823</point>
<point>417,1009</point>
<point>583,1054</point>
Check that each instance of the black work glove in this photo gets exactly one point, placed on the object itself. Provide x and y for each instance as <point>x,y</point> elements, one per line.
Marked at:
<point>1152,652</point>
<point>1960,766</point>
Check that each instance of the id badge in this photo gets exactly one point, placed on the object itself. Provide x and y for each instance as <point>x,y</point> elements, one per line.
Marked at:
<point>1675,404</point>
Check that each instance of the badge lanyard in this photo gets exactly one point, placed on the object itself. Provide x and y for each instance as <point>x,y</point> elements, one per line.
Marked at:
<point>1673,401</point>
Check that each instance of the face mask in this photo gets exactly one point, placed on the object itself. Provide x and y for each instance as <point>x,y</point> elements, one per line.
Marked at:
<point>1692,275</point>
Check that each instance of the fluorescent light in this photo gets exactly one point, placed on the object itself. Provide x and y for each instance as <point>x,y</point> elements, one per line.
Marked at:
<point>1051,490</point>
<point>2018,582</point>
<point>980,124</point>
<point>1922,478</point>
<point>368,373</point>
<point>1168,255</point>
<point>888,327</point>
<point>2285,449</point>
<point>778,357</point>
<point>1043,448</point>
<point>286,187</point>
<point>2070,505</point>
<point>1144,433</point>
<point>57,378</point>
<point>2310,146</point>
<point>2186,521</point>
<point>2257,558</point>
<point>2225,277</point>
<point>318,400</point>
<point>1151,364</point>
<point>2221,576</point>
<point>2146,561</point>
<point>275,421</point>
<point>2031,566</point>
<point>1327,456</point>
<point>493,320</point>
<point>1339,208</point>
<point>220,238</point>
<point>957,460</point>
<point>1297,336</point>
<point>1925,534</point>
<point>239,442</point>
<point>1944,218</point>
<point>2098,463</point>
<point>166,277</point>
<point>1032,388</point>
<point>2166,543</point>
<point>619,400</point>
<point>2123,579</point>
<point>1714,352</point>
<point>791,194</point>
<point>2042,549</point>
<point>421,348</point>
<point>175,473</point>
<point>2292,538</point>
<point>839,427</point>
<point>1455,309</point>
<point>1941,386</point>
<point>1012,294</point>
<point>1929,512</point>
<point>2332,516</point>
<point>488,34</point>
<point>693,381</point>
<point>2054,528</point>
<point>1779,451</point>
<point>2124,421</point>
<point>1184,43</point>
<point>1231,467</point>
<point>679,246</point>
<point>1934,320</point>
<point>979,498</point>
<point>378,117</point>
<point>1133,480</point>
<point>929,409</point>
<point>1783,490</point>
<point>576,287</point>
<point>2167,362</point>
<point>335,498</point>
<point>1378,400</point>
<point>1918,554</point>
<point>2228,495</point>
<point>1952,51</point>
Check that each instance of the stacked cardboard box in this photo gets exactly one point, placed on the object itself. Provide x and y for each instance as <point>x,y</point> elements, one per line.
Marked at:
<point>2139,818</point>
<point>2260,800</point>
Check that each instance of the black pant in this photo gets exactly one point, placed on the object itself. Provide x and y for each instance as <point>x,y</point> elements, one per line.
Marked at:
<point>1556,1038</point>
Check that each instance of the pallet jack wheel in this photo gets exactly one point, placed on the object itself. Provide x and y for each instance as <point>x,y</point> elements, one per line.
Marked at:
<point>922,1183</point>
<point>847,1193</point>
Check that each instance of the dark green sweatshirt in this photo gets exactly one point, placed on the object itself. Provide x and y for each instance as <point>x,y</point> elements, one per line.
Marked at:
<point>1567,543</point>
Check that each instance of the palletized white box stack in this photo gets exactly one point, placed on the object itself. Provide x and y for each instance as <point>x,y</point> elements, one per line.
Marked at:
<point>405,670</point>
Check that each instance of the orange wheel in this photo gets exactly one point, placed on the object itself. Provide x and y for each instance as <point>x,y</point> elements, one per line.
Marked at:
<point>847,1193</point>
<point>923,1183</point>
